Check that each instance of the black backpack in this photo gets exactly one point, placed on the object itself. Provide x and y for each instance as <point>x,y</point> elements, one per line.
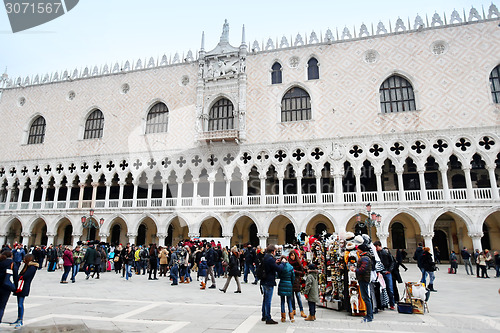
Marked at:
<point>260,272</point>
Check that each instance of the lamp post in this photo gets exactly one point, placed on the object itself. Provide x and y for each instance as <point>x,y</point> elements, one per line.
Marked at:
<point>91,221</point>
<point>373,220</point>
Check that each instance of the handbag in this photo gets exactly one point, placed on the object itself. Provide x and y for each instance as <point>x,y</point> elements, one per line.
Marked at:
<point>8,283</point>
<point>20,285</point>
<point>405,305</point>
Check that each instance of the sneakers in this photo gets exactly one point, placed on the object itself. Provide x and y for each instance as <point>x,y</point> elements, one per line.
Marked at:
<point>392,308</point>
<point>271,322</point>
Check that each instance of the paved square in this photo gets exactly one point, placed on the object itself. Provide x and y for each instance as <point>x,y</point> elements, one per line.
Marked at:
<point>111,304</point>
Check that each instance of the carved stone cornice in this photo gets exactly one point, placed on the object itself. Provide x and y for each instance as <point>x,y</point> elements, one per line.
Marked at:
<point>263,235</point>
<point>227,234</point>
<point>428,235</point>
<point>193,234</point>
<point>382,235</point>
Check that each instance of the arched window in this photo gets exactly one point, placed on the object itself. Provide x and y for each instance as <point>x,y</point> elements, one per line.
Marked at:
<point>495,84</point>
<point>94,125</point>
<point>157,120</point>
<point>312,69</point>
<point>396,95</point>
<point>295,105</point>
<point>276,73</point>
<point>221,116</point>
<point>37,131</point>
<point>398,236</point>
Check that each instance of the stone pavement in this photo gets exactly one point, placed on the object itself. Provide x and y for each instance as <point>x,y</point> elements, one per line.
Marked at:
<point>111,304</point>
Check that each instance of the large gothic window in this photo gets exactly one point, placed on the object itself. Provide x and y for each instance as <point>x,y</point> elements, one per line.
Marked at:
<point>495,84</point>
<point>312,69</point>
<point>94,125</point>
<point>37,131</point>
<point>276,72</point>
<point>157,120</point>
<point>396,95</point>
<point>295,105</point>
<point>221,116</point>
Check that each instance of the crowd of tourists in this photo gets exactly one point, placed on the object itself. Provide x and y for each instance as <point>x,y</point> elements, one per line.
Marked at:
<point>204,261</point>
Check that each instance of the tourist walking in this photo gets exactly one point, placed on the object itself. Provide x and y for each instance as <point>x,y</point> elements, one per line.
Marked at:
<point>285,288</point>
<point>117,259</point>
<point>249,257</point>
<point>90,260</point>
<point>6,267</point>
<point>68,262</point>
<point>268,283</point>
<point>496,257</point>
<point>299,272</point>
<point>388,262</point>
<point>400,256</point>
<point>418,258</point>
<point>429,267</point>
<point>163,255</point>
<point>233,270</point>
<point>128,260</point>
<point>211,257</point>
<point>311,291</point>
<point>77,261</point>
<point>24,285</point>
<point>467,262</point>
<point>453,263</point>
<point>476,256</point>
<point>363,275</point>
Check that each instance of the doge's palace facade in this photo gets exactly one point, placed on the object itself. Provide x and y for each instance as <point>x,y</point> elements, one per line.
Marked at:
<point>259,142</point>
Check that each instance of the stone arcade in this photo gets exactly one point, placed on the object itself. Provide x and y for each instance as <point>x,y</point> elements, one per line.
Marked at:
<point>256,144</point>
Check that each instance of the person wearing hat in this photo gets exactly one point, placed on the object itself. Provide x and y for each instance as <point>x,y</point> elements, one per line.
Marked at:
<point>311,291</point>
<point>363,272</point>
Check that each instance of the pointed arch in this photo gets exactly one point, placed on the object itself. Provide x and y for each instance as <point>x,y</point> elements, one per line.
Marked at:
<point>471,227</point>
<point>319,212</point>
<point>232,222</point>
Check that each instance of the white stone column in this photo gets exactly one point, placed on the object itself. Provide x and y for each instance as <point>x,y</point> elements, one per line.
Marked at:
<point>421,179</point>
<point>382,236</point>
<point>428,242</point>
<point>263,236</point>
<point>164,183</point>
<point>179,191</point>
<point>357,177</point>
<point>319,198</point>
<point>401,187</point>
<point>26,238</point>
<point>444,179</point>
<point>50,238</point>
<point>244,180</point>
<point>339,191</point>
<point>32,196</point>
<point>468,182</point>
<point>262,178</point>
<point>150,192</point>
<point>476,240</point>
<point>134,196</point>
<point>131,238</point>
<point>108,191</point>
<point>20,197</point>
<point>44,194</point>
<point>76,239</point>
<point>56,194</point>
<point>227,236</point>
<point>196,181</point>
<point>281,197</point>
<point>80,195</point>
<point>161,239</point>
<point>9,189</point>
<point>94,193</point>
<point>299,189</point>
<point>493,181</point>
<point>120,195</point>
<point>103,237</point>
<point>378,178</point>
<point>228,191</point>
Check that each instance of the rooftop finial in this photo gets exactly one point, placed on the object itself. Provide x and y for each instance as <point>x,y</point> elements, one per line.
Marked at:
<point>243,42</point>
<point>225,32</point>
<point>203,41</point>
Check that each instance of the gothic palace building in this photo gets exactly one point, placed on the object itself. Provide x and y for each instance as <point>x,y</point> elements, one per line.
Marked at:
<point>260,142</point>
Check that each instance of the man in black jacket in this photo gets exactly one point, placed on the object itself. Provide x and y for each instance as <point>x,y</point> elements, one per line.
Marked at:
<point>388,261</point>
<point>211,257</point>
<point>89,259</point>
<point>250,258</point>
<point>466,258</point>
<point>268,282</point>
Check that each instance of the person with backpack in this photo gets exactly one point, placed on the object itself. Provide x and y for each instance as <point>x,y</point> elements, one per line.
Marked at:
<point>250,257</point>
<point>174,267</point>
<point>90,260</point>
<point>144,258</point>
<point>268,282</point>
<point>388,261</point>
<point>285,288</point>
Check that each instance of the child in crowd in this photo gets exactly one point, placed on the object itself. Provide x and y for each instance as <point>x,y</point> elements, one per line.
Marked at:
<point>202,270</point>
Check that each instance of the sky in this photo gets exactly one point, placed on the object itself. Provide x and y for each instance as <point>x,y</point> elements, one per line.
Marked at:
<point>98,32</point>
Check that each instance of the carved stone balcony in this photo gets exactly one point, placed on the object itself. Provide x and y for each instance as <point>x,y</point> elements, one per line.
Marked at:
<point>224,135</point>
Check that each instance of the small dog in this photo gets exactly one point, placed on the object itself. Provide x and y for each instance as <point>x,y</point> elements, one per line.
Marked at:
<point>354,301</point>
<point>352,277</point>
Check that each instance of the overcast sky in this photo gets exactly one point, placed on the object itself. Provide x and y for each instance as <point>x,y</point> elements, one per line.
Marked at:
<point>97,32</point>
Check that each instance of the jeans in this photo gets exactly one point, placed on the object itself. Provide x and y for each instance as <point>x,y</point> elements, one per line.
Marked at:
<point>20,307</point>
<point>174,274</point>
<point>312,308</point>
<point>424,277</point>
<point>74,270</point>
<point>4,298</point>
<point>288,300</point>
<point>497,269</point>
<point>128,271</point>
<point>187,274</point>
<point>484,272</point>
<point>88,269</point>
<point>298,296</point>
<point>218,269</point>
<point>467,265</point>
<point>67,269</point>
<point>210,271</point>
<point>390,287</point>
<point>182,271</point>
<point>363,288</point>
<point>249,267</point>
<point>266,302</point>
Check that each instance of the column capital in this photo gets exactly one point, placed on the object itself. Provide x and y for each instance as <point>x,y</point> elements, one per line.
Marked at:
<point>193,234</point>
<point>428,235</point>
<point>381,235</point>
<point>195,180</point>
<point>466,168</point>
<point>244,178</point>
<point>491,167</point>
<point>262,176</point>
<point>420,170</point>
<point>108,183</point>
<point>45,186</point>
<point>131,234</point>
<point>76,235</point>
<point>161,236</point>
<point>122,183</point>
<point>227,234</point>
<point>103,235</point>
<point>26,234</point>
<point>443,169</point>
<point>94,184</point>
<point>50,234</point>
<point>32,187</point>
<point>82,184</point>
<point>150,182</point>
<point>476,234</point>
<point>263,235</point>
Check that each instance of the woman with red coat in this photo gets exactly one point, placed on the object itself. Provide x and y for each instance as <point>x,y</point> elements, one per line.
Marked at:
<point>67,263</point>
<point>298,269</point>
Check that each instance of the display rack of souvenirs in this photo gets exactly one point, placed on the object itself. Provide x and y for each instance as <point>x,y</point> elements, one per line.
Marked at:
<point>355,303</point>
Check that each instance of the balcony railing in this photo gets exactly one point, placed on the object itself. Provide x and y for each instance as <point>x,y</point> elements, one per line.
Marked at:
<point>479,194</point>
<point>226,135</point>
